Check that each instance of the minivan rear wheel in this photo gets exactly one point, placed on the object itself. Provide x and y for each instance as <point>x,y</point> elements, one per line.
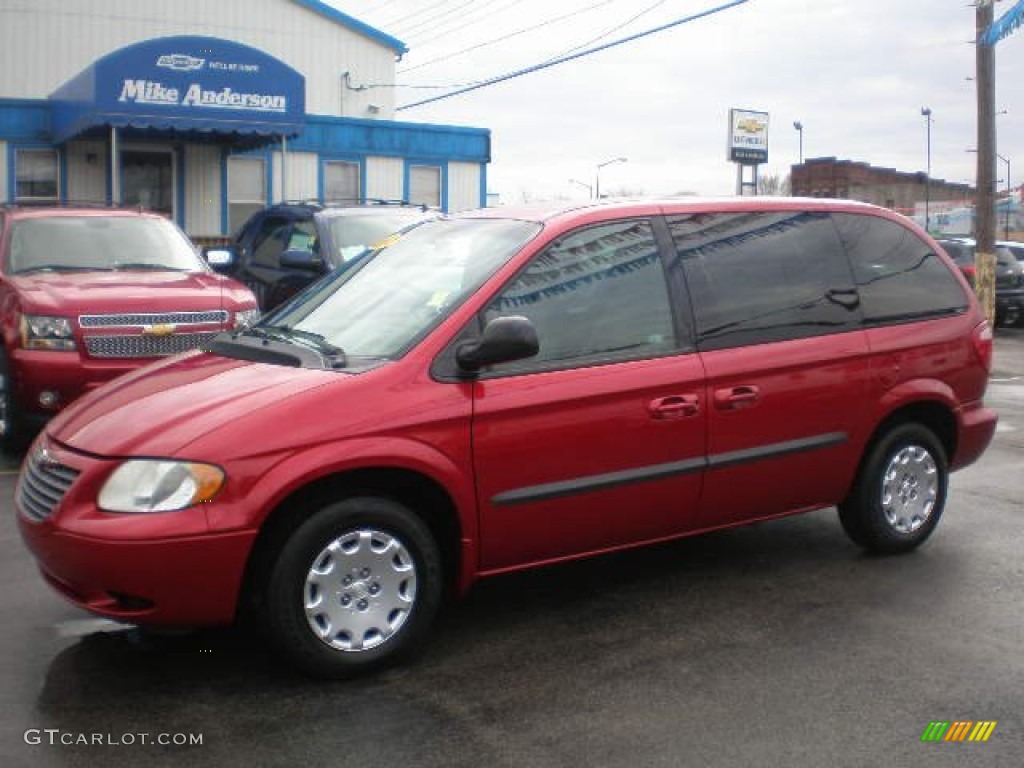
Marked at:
<point>354,588</point>
<point>900,491</point>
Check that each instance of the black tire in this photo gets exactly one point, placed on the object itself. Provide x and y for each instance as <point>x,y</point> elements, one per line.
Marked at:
<point>12,430</point>
<point>380,614</point>
<point>900,491</point>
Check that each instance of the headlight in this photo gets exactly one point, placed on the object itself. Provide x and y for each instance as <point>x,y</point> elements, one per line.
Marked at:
<point>43,332</point>
<point>247,318</point>
<point>153,485</point>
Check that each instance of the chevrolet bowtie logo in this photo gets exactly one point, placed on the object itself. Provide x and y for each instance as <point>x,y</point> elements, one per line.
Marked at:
<point>160,329</point>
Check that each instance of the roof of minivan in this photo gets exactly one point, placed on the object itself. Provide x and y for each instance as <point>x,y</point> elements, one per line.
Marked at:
<point>551,211</point>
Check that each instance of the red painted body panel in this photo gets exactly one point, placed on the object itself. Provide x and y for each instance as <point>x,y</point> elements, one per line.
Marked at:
<point>577,424</point>
<point>808,389</point>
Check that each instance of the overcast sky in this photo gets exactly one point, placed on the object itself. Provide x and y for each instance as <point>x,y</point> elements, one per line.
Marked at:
<point>855,73</point>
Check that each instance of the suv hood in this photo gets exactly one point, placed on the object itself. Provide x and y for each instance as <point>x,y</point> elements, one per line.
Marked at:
<point>161,409</point>
<point>89,293</point>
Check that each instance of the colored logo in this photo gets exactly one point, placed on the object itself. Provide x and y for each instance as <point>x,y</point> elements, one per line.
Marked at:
<point>180,62</point>
<point>750,125</point>
<point>958,730</point>
<point>160,329</point>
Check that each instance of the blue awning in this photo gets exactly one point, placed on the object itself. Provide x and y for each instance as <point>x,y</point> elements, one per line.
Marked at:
<point>183,85</point>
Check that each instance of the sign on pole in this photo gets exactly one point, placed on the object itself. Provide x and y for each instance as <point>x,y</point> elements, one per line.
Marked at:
<point>748,137</point>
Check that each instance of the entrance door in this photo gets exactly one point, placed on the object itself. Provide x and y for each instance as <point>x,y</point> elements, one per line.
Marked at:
<point>148,179</point>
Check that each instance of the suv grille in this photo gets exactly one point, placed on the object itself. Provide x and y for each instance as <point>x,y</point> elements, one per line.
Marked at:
<point>163,318</point>
<point>42,485</point>
<point>145,346</point>
<point>1010,281</point>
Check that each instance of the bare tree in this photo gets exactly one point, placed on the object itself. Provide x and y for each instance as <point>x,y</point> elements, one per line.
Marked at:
<point>773,184</point>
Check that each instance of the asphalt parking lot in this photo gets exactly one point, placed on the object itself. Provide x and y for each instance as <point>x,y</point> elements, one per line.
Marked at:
<point>778,644</point>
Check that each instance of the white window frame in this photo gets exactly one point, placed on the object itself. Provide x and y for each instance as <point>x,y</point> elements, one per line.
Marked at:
<point>249,204</point>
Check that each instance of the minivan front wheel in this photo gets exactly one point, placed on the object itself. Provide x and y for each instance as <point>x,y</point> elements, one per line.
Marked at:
<point>899,493</point>
<point>355,587</point>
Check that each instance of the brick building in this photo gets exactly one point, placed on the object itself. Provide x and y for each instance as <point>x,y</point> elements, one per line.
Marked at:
<point>887,187</point>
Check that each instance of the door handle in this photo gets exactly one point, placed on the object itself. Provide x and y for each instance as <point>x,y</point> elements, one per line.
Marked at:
<point>674,406</point>
<point>736,397</point>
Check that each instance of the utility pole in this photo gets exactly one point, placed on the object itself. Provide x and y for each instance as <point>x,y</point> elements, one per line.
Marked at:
<point>985,200</point>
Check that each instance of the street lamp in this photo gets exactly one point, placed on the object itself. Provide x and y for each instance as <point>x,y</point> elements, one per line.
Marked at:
<point>926,112</point>
<point>597,177</point>
<point>588,187</point>
<point>800,129</point>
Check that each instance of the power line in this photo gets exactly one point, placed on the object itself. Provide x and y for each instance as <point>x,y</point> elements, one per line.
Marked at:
<point>607,32</point>
<point>474,16</point>
<point>399,22</point>
<point>507,37</point>
<point>562,60</point>
<point>439,19</point>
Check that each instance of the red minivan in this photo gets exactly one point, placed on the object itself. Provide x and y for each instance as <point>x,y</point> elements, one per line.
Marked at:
<point>508,388</point>
<point>87,294</point>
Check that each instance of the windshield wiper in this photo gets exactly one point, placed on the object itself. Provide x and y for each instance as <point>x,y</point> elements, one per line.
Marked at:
<point>308,339</point>
<point>145,265</point>
<point>60,268</point>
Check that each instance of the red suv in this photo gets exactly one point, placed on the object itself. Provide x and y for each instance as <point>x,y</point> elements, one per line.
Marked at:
<point>87,294</point>
<point>508,388</point>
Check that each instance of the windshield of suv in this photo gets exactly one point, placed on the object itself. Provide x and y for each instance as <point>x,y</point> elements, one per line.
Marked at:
<point>353,234</point>
<point>379,309</point>
<point>89,243</point>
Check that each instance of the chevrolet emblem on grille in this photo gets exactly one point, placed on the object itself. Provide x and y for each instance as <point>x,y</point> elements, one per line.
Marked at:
<point>160,329</point>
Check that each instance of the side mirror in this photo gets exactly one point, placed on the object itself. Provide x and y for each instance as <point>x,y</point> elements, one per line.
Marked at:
<point>221,257</point>
<point>297,258</point>
<point>504,339</point>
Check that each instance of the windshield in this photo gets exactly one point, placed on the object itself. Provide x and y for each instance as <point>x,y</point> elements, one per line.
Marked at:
<point>87,243</point>
<point>352,235</point>
<point>404,290</point>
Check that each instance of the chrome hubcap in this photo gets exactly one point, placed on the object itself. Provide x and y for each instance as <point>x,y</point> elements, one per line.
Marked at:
<point>360,590</point>
<point>910,488</point>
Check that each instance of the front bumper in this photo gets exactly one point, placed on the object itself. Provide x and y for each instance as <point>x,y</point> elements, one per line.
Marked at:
<point>1009,306</point>
<point>163,569</point>
<point>65,374</point>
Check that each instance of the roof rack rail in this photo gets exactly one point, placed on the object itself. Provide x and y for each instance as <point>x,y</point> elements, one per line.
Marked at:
<point>335,201</point>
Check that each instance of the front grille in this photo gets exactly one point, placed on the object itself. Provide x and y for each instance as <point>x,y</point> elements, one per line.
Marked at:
<point>1010,281</point>
<point>140,320</point>
<point>42,485</point>
<point>145,346</point>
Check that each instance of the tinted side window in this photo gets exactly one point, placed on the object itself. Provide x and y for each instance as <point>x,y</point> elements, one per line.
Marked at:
<point>762,277</point>
<point>898,275</point>
<point>597,294</point>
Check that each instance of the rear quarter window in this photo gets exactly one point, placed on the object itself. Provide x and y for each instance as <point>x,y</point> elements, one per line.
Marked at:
<point>760,277</point>
<point>899,276</point>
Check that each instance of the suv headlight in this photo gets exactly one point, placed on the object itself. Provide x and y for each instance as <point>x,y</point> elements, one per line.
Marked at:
<point>247,318</point>
<point>45,332</point>
<point>155,485</point>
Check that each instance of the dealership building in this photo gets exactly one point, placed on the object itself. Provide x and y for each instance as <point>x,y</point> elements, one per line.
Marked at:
<point>207,111</point>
